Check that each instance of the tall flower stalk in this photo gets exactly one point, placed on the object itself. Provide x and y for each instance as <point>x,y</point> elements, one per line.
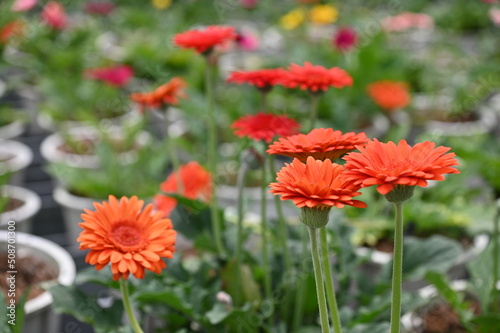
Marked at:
<point>496,257</point>
<point>128,307</point>
<point>396,170</point>
<point>316,186</point>
<point>212,156</point>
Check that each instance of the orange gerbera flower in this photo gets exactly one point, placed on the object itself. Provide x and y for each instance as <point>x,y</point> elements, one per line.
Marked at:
<point>10,30</point>
<point>132,239</point>
<point>263,78</point>
<point>316,78</point>
<point>389,95</point>
<point>320,143</point>
<point>265,126</point>
<point>319,184</point>
<point>166,94</point>
<point>196,184</point>
<point>388,164</point>
<point>204,40</point>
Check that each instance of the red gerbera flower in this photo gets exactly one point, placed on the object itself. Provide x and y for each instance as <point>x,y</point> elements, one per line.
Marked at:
<point>196,184</point>
<point>388,165</point>
<point>53,14</point>
<point>320,143</point>
<point>316,78</point>
<point>345,39</point>
<point>115,76</point>
<point>319,184</point>
<point>126,236</point>
<point>11,29</point>
<point>389,95</point>
<point>265,126</point>
<point>263,79</point>
<point>166,94</point>
<point>204,40</point>
<point>99,7</point>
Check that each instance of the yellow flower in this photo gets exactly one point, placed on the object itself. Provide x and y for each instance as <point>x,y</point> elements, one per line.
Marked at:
<point>323,14</point>
<point>293,19</point>
<point>162,4</point>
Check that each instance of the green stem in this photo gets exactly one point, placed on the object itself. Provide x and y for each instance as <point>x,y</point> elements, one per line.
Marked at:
<point>239,245</point>
<point>283,235</point>
<point>298,311</point>
<point>174,159</point>
<point>313,114</point>
<point>330,288</point>
<point>318,276</point>
<point>212,157</point>
<point>397,273</point>
<point>496,259</point>
<point>128,306</point>
<point>265,231</point>
<point>263,100</point>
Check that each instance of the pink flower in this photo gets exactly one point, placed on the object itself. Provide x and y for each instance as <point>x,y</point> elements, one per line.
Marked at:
<point>495,16</point>
<point>99,8</point>
<point>23,5</point>
<point>248,41</point>
<point>116,76</point>
<point>491,2</point>
<point>407,20</point>
<point>53,14</point>
<point>249,4</point>
<point>345,39</point>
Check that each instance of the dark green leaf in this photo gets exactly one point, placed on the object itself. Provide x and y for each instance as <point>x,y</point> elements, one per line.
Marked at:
<point>487,323</point>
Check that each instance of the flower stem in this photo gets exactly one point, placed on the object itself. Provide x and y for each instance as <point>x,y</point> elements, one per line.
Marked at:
<point>265,231</point>
<point>318,276</point>
<point>239,245</point>
<point>283,235</point>
<point>397,272</point>
<point>212,157</point>
<point>128,306</point>
<point>496,259</point>
<point>313,114</point>
<point>263,100</point>
<point>298,312</point>
<point>330,288</point>
<point>173,155</point>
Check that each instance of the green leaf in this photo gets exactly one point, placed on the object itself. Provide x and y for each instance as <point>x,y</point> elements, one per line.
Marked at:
<point>218,313</point>
<point>436,254</point>
<point>20,314</point>
<point>487,323</point>
<point>371,328</point>
<point>85,308</point>
<point>482,276</point>
<point>3,314</point>
<point>248,291</point>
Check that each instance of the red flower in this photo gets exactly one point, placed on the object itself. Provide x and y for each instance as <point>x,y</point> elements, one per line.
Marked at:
<point>53,15</point>
<point>204,40</point>
<point>23,5</point>
<point>317,183</point>
<point>316,78</point>
<point>99,8</point>
<point>389,95</point>
<point>345,39</point>
<point>320,143</point>
<point>388,165</point>
<point>196,184</point>
<point>11,29</point>
<point>127,237</point>
<point>168,94</point>
<point>262,79</point>
<point>116,76</point>
<point>264,126</point>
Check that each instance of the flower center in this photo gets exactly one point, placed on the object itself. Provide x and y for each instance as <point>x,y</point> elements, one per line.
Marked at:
<point>126,236</point>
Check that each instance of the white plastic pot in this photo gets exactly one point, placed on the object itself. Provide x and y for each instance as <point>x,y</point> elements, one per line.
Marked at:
<point>72,207</point>
<point>52,152</point>
<point>12,130</point>
<point>39,316</point>
<point>23,215</point>
<point>19,157</point>
<point>47,123</point>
